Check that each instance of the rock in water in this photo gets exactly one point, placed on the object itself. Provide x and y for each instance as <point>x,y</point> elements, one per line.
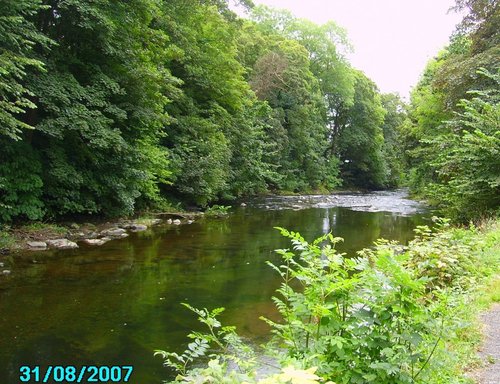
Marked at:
<point>96,241</point>
<point>138,227</point>
<point>61,244</point>
<point>114,232</point>
<point>176,222</point>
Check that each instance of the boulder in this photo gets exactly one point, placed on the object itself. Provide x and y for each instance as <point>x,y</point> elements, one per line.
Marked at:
<point>61,244</point>
<point>114,232</point>
<point>138,227</point>
<point>37,245</point>
<point>6,272</point>
<point>243,205</point>
<point>169,221</point>
<point>95,241</point>
<point>176,222</point>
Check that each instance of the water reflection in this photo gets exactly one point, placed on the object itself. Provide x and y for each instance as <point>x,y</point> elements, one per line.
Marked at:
<point>115,304</point>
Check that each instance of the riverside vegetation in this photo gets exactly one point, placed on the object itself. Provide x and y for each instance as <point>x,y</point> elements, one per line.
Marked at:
<point>392,315</point>
<point>108,108</point>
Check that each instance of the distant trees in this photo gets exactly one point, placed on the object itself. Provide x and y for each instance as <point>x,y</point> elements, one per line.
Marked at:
<point>107,107</point>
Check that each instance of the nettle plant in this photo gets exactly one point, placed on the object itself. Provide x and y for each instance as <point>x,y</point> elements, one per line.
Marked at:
<point>231,362</point>
<point>368,319</point>
<point>446,258</point>
<point>359,320</point>
<point>229,346</point>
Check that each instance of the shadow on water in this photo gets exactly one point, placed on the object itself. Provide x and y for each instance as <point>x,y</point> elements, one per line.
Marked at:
<point>115,304</point>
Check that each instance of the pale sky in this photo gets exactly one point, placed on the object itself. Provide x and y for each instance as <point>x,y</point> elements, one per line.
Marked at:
<point>392,39</point>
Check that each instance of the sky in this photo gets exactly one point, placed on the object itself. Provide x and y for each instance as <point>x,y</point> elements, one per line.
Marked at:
<point>392,39</point>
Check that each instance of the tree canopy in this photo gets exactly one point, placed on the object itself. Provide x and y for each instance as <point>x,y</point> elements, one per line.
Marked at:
<point>109,107</point>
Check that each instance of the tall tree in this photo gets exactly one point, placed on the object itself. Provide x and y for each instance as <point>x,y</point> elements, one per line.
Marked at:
<point>18,37</point>
<point>362,140</point>
<point>394,119</point>
<point>100,109</point>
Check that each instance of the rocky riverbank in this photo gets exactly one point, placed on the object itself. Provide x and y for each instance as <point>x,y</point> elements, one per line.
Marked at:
<point>41,236</point>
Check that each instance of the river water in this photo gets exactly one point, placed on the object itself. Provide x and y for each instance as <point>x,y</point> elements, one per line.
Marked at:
<point>116,304</point>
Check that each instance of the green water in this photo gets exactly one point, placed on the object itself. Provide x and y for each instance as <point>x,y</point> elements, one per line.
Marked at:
<point>116,303</point>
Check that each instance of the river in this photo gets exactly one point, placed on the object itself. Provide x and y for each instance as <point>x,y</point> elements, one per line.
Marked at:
<point>116,304</point>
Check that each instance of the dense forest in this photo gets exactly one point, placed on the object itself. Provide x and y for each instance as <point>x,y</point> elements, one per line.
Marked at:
<point>109,107</point>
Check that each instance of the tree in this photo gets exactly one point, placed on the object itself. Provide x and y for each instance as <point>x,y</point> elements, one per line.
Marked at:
<point>394,119</point>
<point>468,160</point>
<point>100,109</point>
<point>217,138</point>
<point>361,141</point>
<point>18,37</point>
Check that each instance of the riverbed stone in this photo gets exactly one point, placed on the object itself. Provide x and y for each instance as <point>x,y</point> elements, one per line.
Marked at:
<point>138,227</point>
<point>37,245</point>
<point>95,241</point>
<point>243,205</point>
<point>169,221</point>
<point>6,272</point>
<point>61,244</point>
<point>176,222</point>
<point>114,232</point>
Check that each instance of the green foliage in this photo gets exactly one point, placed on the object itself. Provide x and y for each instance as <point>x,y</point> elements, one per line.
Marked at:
<point>357,320</point>
<point>466,167</point>
<point>120,106</point>
<point>6,240</point>
<point>217,210</point>
<point>451,140</point>
<point>99,111</point>
<point>289,71</point>
<point>394,120</point>
<point>18,36</point>
<point>393,315</point>
<point>361,143</point>
<point>230,348</point>
<point>20,182</point>
<point>445,258</point>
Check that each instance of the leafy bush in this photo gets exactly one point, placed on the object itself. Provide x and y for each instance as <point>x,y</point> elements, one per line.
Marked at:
<point>217,210</point>
<point>392,315</point>
<point>359,320</point>
<point>20,183</point>
<point>464,161</point>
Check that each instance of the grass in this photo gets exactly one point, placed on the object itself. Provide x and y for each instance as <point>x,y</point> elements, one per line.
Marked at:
<point>7,241</point>
<point>37,227</point>
<point>465,343</point>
